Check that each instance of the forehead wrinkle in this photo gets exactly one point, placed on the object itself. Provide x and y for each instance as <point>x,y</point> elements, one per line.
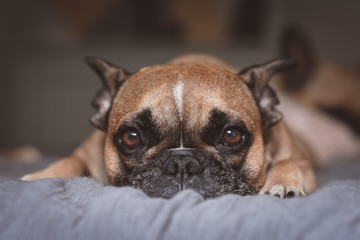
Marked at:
<point>163,106</point>
<point>199,103</point>
<point>200,99</point>
<point>240,104</point>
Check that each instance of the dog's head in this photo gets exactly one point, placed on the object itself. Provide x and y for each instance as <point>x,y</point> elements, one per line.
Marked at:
<point>186,126</point>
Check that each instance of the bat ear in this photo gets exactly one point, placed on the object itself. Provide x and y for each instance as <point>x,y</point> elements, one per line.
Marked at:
<point>257,78</point>
<point>294,44</point>
<point>112,77</point>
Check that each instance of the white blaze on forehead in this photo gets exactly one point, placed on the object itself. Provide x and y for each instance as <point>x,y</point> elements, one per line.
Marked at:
<point>178,94</point>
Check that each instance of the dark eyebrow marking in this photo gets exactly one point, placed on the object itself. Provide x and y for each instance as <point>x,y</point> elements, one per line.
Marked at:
<point>218,122</point>
<point>212,131</point>
<point>145,122</point>
<point>145,119</point>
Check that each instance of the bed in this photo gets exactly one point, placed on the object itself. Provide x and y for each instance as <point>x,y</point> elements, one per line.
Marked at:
<point>81,208</point>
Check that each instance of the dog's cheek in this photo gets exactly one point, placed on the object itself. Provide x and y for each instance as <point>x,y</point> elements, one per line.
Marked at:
<point>117,166</point>
<point>152,181</point>
<point>226,173</point>
<point>214,182</point>
<point>255,163</point>
<point>219,180</point>
<point>223,175</point>
<point>113,164</point>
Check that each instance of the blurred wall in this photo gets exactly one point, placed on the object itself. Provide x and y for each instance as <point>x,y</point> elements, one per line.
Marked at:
<point>333,27</point>
<point>46,89</point>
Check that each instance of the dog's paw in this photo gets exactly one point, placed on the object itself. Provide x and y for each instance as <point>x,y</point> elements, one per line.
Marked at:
<point>37,175</point>
<point>28,177</point>
<point>281,191</point>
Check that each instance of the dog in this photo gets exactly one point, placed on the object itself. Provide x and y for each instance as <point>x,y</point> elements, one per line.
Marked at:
<point>193,123</point>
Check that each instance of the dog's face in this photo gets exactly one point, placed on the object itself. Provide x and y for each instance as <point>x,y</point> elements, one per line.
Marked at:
<point>183,126</point>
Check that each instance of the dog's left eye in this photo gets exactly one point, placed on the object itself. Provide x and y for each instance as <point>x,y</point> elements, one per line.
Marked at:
<point>233,136</point>
<point>130,138</point>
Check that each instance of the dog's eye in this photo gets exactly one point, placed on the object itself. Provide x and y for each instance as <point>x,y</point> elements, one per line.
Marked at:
<point>233,136</point>
<point>130,139</point>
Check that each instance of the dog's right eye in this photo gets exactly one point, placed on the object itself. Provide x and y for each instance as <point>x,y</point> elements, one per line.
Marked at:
<point>130,139</point>
<point>233,136</point>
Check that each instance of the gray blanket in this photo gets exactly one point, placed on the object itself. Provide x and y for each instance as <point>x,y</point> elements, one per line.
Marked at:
<point>81,208</point>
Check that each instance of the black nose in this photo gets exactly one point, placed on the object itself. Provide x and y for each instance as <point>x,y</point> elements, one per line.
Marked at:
<point>183,161</point>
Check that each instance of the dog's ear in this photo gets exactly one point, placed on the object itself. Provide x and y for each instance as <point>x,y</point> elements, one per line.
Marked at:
<point>112,77</point>
<point>257,78</point>
<point>294,44</point>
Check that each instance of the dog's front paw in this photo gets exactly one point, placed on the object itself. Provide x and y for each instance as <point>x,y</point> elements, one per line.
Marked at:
<point>26,177</point>
<point>33,176</point>
<point>282,191</point>
<point>45,173</point>
<point>285,191</point>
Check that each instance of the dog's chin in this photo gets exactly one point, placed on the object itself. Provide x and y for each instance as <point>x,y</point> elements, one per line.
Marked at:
<point>213,182</point>
<point>209,191</point>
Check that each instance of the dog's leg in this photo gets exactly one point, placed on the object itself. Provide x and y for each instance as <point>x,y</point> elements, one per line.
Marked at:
<point>86,160</point>
<point>287,179</point>
<point>290,166</point>
<point>66,168</point>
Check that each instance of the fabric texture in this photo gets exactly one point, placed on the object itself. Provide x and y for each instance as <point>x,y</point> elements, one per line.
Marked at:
<point>82,208</point>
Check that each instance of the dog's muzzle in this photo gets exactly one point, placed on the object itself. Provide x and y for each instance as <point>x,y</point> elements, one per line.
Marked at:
<point>183,163</point>
<point>177,169</point>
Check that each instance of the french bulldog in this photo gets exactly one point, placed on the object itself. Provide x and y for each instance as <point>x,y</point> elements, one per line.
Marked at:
<point>193,123</point>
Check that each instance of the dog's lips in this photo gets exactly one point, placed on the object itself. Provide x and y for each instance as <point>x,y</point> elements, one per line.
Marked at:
<point>183,182</point>
<point>186,181</point>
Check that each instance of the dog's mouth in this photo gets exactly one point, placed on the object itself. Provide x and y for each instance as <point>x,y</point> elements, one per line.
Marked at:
<point>175,171</point>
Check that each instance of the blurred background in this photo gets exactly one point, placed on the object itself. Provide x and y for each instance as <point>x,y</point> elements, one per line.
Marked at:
<point>46,89</point>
